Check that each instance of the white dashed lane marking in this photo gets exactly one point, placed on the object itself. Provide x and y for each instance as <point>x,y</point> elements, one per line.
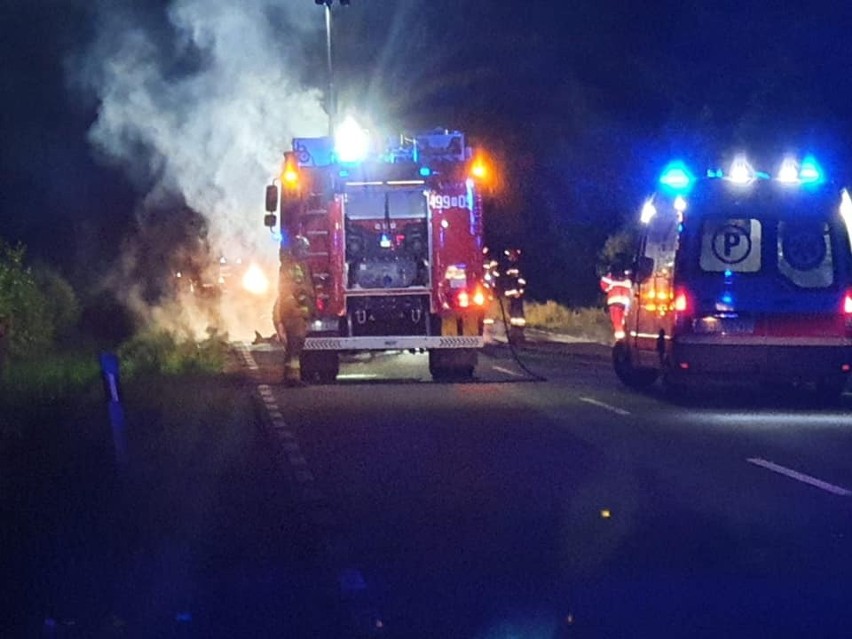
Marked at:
<point>605,406</point>
<point>802,477</point>
<point>500,369</point>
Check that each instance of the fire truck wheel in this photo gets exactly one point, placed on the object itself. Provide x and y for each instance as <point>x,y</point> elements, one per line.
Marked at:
<point>630,375</point>
<point>319,366</point>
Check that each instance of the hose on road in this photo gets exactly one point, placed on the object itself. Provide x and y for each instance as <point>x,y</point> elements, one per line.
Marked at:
<point>506,324</point>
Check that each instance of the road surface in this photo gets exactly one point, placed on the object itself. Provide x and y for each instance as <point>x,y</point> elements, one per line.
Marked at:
<point>567,505</point>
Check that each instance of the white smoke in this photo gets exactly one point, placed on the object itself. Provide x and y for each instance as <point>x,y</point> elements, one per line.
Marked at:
<point>200,102</point>
<point>214,135</point>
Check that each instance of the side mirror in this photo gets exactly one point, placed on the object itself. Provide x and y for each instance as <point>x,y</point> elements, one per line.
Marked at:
<point>644,268</point>
<point>270,220</point>
<point>271,199</point>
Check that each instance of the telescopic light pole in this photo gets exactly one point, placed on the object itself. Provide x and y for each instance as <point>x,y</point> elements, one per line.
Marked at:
<point>331,102</point>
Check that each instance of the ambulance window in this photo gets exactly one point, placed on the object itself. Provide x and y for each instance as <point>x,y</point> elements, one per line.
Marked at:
<point>661,241</point>
<point>731,245</point>
<point>804,253</point>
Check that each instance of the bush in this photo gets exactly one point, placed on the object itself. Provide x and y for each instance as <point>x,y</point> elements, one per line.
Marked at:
<point>164,352</point>
<point>592,323</point>
<point>61,305</point>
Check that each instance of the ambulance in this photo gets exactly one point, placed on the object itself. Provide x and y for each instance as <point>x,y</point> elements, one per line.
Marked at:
<point>742,275</point>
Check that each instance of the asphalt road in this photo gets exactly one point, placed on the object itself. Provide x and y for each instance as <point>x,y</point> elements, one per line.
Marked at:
<point>557,504</point>
<point>568,505</point>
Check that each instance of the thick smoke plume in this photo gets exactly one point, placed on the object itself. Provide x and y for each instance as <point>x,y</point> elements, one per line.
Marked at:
<point>197,100</point>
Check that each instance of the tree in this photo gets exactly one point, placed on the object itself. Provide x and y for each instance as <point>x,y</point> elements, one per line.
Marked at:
<point>23,307</point>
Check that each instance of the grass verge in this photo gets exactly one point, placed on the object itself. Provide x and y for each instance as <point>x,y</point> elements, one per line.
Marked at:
<point>591,324</point>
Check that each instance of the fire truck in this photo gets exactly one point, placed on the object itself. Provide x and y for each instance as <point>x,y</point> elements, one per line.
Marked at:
<point>391,241</point>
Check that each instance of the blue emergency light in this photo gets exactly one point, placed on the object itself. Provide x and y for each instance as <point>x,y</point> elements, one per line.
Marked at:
<point>676,177</point>
<point>810,173</point>
<point>425,171</point>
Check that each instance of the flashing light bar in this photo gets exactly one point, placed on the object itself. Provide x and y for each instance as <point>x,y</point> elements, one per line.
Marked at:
<point>676,177</point>
<point>808,173</point>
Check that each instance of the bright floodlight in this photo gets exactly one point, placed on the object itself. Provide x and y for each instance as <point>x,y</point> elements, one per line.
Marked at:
<point>350,141</point>
<point>679,204</point>
<point>789,171</point>
<point>741,171</point>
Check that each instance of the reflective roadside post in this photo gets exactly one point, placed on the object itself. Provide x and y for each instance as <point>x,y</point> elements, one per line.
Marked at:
<point>112,390</point>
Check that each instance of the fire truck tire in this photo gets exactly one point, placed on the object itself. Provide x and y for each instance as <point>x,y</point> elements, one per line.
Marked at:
<point>632,376</point>
<point>449,365</point>
<point>319,366</point>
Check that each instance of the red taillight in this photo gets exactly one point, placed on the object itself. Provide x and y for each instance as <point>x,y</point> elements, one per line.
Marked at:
<point>479,296</point>
<point>681,301</point>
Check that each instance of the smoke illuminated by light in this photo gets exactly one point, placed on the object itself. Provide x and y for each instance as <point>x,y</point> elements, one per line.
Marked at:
<point>197,101</point>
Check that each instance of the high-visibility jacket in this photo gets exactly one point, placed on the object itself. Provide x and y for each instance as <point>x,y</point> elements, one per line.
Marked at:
<point>618,290</point>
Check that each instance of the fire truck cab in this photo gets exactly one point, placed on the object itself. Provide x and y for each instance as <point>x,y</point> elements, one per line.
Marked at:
<point>742,276</point>
<point>393,244</point>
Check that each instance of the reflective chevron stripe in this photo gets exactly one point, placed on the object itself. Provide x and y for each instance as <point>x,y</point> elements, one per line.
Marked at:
<point>402,342</point>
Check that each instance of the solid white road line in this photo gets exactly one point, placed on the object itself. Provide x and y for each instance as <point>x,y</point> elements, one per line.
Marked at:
<point>500,369</point>
<point>794,474</point>
<point>605,406</point>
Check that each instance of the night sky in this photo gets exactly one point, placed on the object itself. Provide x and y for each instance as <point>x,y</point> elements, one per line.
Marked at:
<point>582,102</point>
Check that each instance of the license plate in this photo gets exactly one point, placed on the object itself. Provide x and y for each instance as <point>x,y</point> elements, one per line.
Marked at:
<point>724,326</point>
<point>737,326</point>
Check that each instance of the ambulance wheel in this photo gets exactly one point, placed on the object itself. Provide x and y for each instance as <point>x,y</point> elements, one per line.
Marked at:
<point>829,390</point>
<point>319,366</point>
<point>630,375</point>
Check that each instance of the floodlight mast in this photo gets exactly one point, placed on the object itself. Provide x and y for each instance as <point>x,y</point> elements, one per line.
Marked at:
<point>331,101</point>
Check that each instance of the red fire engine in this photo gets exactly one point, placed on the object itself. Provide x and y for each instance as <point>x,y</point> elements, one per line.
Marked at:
<point>391,241</point>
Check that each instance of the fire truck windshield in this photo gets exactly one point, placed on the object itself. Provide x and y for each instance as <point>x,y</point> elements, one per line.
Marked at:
<point>366,203</point>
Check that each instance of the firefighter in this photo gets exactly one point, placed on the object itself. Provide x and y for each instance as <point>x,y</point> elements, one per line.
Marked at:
<point>513,285</point>
<point>293,308</point>
<point>618,288</point>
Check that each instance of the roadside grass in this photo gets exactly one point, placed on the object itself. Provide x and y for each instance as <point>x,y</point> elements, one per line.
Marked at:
<point>590,323</point>
<point>48,377</point>
<point>34,387</point>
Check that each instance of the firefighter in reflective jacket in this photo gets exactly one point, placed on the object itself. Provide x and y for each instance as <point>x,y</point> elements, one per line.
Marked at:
<point>618,288</point>
<point>513,283</point>
<point>293,308</point>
